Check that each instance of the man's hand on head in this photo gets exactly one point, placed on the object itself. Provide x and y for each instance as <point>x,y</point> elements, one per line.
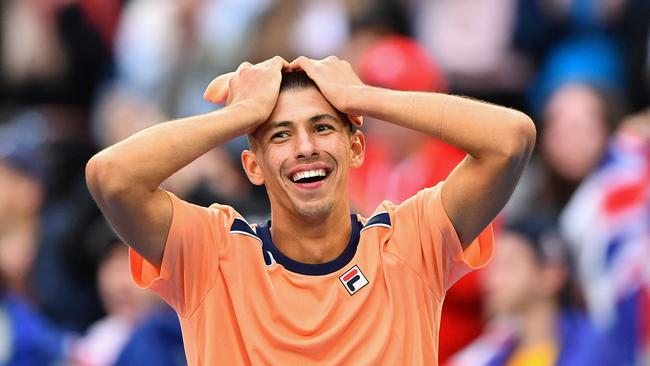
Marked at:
<point>335,79</point>
<point>254,88</point>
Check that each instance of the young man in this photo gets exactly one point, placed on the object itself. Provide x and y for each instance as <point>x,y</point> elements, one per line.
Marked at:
<point>315,285</point>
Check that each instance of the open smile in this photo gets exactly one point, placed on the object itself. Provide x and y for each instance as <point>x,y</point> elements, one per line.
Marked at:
<point>309,177</point>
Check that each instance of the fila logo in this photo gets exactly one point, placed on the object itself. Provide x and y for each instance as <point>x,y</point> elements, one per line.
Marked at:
<point>353,280</point>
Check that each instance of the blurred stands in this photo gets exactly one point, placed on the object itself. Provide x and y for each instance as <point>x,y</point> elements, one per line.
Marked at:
<point>79,75</point>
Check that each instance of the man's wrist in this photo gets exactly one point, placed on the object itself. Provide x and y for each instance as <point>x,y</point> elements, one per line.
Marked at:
<point>358,100</point>
<point>242,114</point>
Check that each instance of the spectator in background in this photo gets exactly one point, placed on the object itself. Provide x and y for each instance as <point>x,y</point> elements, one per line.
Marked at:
<point>26,337</point>
<point>43,219</point>
<point>528,293</point>
<point>472,41</point>
<point>164,49</point>
<point>52,58</point>
<point>577,120</point>
<point>577,95</point>
<point>125,304</point>
<point>607,223</point>
<point>400,162</point>
<point>21,195</point>
<point>371,21</point>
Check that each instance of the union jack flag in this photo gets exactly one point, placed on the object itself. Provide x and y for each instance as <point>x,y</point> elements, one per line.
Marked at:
<point>607,225</point>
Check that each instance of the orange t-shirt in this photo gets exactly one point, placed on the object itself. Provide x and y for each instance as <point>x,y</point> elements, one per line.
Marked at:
<point>242,302</point>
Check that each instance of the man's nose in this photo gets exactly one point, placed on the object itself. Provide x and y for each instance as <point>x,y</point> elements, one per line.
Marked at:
<point>305,145</point>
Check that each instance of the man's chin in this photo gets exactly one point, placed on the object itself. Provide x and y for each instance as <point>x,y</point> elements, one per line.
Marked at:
<point>314,211</point>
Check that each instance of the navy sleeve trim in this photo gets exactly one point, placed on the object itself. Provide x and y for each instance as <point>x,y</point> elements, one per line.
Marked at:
<point>240,226</point>
<point>379,219</point>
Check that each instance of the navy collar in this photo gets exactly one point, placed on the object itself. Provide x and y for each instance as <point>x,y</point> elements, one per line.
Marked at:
<point>264,233</point>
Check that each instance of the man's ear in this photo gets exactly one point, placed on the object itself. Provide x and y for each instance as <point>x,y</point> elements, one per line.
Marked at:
<point>357,148</point>
<point>252,167</point>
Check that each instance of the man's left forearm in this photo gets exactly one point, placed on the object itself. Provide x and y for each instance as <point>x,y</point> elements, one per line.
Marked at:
<point>479,128</point>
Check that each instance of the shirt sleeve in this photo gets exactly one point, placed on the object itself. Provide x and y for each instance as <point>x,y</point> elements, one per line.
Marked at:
<point>197,238</point>
<point>424,237</point>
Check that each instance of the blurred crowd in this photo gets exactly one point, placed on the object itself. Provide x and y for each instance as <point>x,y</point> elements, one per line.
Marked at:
<point>570,280</point>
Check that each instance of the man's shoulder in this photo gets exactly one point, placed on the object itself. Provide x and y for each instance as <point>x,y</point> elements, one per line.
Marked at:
<point>219,216</point>
<point>424,196</point>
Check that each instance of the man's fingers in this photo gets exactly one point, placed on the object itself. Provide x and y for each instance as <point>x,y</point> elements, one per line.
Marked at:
<point>278,62</point>
<point>284,63</point>
<point>243,65</point>
<point>275,62</point>
<point>302,63</point>
<point>217,90</point>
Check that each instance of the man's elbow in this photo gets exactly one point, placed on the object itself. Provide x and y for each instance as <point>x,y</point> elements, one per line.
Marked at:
<point>521,137</point>
<point>103,179</point>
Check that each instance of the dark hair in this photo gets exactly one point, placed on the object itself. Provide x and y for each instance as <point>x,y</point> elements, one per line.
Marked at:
<point>541,235</point>
<point>296,80</point>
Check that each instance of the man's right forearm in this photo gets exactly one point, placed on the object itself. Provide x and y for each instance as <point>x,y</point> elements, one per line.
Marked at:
<point>144,160</point>
<point>124,179</point>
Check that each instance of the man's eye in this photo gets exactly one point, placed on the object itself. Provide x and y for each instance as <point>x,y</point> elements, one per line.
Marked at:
<point>280,135</point>
<point>321,128</point>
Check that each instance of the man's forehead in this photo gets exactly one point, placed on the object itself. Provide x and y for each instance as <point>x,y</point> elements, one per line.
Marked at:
<point>301,105</point>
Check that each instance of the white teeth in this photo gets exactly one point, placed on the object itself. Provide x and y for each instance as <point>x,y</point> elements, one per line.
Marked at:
<point>308,174</point>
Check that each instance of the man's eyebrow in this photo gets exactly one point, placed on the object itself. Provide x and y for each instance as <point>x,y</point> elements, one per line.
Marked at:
<point>311,119</point>
<point>321,116</point>
<point>279,124</point>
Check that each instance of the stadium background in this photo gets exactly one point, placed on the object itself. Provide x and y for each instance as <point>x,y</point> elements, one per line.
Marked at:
<point>79,75</point>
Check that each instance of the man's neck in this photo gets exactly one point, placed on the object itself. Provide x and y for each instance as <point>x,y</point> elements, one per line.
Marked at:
<point>312,240</point>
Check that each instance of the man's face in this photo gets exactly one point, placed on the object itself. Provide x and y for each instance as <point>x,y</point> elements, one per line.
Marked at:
<point>303,153</point>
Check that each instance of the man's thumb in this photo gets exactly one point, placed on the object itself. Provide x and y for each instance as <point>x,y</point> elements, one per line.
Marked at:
<point>217,91</point>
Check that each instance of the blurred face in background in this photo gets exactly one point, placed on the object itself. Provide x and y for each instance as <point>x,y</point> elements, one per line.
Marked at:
<point>118,293</point>
<point>518,280</point>
<point>20,195</point>
<point>510,282</point>
<point>575,131</point>
<point>20,200</point>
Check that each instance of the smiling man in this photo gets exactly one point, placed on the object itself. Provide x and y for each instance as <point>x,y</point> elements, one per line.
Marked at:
<point>315,284</point>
